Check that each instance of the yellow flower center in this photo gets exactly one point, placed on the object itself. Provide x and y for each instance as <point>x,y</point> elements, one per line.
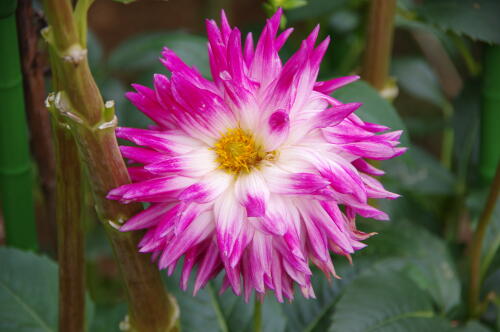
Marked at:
<point>237,151</point>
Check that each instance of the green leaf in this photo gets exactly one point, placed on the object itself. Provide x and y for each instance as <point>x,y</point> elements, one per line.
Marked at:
<point>28,292</point>
<point>314,314</point>
<point>209,311</point>
<point>421,255</point>
<point>386,302</point>
<point>473,326</point>
<point>477,19</point>
<point>420,173</point>
<point>141,53</point>
<point>375,108</point>
<point>416,77</point>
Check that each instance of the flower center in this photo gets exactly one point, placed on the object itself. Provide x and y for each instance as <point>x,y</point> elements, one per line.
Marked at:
<point>237,151</point>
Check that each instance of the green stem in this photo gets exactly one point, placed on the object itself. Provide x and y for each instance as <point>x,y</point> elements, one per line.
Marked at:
<point>379,43</point>
<point>80,104</point>
<point>70,233</point>
<point>477,245</point>
<point>472,65</point>
<point>257,316</point>
<point>214,298</point>
<point>448,137</point>
<point>69,217</point>
<point>16,178</point>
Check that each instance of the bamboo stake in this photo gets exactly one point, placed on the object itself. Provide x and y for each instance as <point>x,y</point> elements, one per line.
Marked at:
<point>16,178</point>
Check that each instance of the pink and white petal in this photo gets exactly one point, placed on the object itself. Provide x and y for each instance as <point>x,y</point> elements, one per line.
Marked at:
<point>266,63</point>
<point>209,188</point>
<point>229,219</point>
<point>242,241</point>
<point>375,189</point>
<point>363,166</point>
<point>278,218</point>
<point>327,87</point>
<point>153,190</point>
<point>192,257</point>
<point>173,63</point>
<point>314,213</point>
<point>248,49</point>
<point>340,174</point>
<point>170,142</point>
<point>188,214</point>
<point>146,218</point>
<point>252,192</point>
<point>141,155</point>
<point>286,183</point>
<point>194,234</point>
<point>282,37</point>
<point>275,130</point>
<point>196,163</point>
<point>139,174</point>
<point>373,150</point>
<point>334,115</point>
<point>145,100</point>
<point>208,268</point>
<point>204,106</point>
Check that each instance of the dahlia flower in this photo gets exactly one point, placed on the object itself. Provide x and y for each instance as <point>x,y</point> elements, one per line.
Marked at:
<point>257,173</point>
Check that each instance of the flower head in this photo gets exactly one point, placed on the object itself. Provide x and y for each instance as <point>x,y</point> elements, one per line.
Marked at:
<point>257,173</point>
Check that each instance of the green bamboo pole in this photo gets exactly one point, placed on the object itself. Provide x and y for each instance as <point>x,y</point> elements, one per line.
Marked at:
<point>490,115</point>
<point>16,178</point>
<point>81,108</point>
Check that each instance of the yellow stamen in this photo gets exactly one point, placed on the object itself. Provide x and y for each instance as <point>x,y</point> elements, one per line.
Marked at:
<point>237,151</point>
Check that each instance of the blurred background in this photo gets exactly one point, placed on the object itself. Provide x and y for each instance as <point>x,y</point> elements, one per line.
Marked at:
<point>442,87</point>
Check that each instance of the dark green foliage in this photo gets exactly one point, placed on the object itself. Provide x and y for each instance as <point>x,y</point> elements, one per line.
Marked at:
<point>477,19</point>
<point>28,292</point>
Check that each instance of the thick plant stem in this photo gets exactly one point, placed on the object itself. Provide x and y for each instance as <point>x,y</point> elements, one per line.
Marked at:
<point>16,178</point>
<point>69,196</point>
<point>379,43</point>
<point>477,245</point>
<point>92,123</point>
<point>29,25</point>
<point>69,218</point>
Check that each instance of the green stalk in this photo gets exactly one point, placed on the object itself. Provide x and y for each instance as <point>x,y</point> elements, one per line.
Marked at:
<point>70,233</point>
<point>490,115</point>
<point>379,43</point>
<point>477,245</point>
<point>69,217</point>
<point>16,178</point>
<point>257,315</point>
<point>81,108</point>
<point>489,168</point>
